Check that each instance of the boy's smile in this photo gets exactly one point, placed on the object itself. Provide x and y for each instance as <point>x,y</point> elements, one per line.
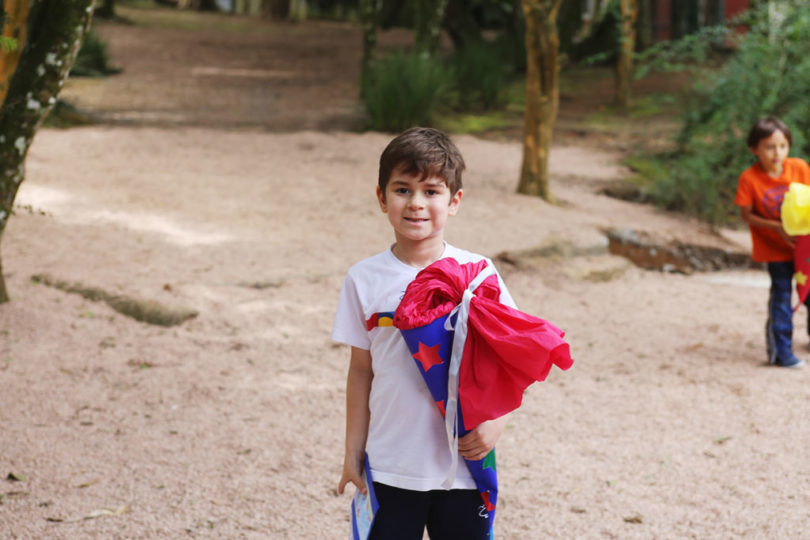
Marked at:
<point>418,208</point>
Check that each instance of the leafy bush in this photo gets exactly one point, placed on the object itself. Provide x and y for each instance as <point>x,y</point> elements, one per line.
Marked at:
<point>480,75</point>
<point>768,75</point>
<point>402,90</point>
<point>92,60</point>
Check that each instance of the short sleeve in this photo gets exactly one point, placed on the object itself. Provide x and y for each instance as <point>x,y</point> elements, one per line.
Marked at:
<point>349,326</point>
<point>743,197</point>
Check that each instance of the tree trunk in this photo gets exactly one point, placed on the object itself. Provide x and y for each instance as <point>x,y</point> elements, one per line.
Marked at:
<point>644,27</point>
<point>298,10</point>
<point>542,94</point>
<point>16,14</point>
<point>369,18</point>
<point>624,61</point>
<point>276,9</point>
<point>429,16</point>
<point>55,32</point>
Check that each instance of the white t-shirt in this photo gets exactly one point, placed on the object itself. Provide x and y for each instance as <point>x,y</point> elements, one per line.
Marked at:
<point>406,445</point>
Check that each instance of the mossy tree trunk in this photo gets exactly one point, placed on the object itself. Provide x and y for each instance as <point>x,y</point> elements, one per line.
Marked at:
<point>644,26</point>
<point>55,29</point>
<point>298,10</point>
<point>15,27</point>
<point>429,15</point>
<point>542,94</point>
<point>369,18</point>
<point>627,44</point>
<point>290,10</point>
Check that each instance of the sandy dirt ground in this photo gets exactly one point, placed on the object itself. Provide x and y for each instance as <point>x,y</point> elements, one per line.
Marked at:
<point>669,425</point>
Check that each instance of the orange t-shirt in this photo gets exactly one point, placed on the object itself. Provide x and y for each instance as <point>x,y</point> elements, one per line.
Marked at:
<point>765,194</point>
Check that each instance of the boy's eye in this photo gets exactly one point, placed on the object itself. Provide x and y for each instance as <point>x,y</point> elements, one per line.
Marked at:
<point>401,190</point>
<point>432,192</point>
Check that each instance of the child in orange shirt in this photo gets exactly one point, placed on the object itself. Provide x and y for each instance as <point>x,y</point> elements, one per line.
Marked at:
<point>760,191</point>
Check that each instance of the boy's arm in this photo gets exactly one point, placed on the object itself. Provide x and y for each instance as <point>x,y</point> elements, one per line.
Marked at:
<point>358,388</point>
<point>747,214</point>
<point>480,441</point>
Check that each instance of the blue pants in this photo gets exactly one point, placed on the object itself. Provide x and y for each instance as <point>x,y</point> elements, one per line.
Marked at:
<point>448,514</point>
<point>779,328</point>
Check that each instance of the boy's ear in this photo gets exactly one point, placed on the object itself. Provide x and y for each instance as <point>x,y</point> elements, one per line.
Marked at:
<point>455,202</point>
<point>381,200</point>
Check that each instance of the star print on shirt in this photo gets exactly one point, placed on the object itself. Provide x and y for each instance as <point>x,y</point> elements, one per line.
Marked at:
<point>428,356</point>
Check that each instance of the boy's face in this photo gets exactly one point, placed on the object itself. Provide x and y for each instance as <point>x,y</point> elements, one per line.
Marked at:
<point>771,152</point>
<point>418,209</point>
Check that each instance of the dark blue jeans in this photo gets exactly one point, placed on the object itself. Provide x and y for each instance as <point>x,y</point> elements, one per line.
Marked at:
<point>449,515</point>
<point>779,328</point>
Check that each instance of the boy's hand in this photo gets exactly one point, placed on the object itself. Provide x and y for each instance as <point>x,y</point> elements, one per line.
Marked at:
<point>351,473</point>
<point>787,238</point>
<point>479,442</point>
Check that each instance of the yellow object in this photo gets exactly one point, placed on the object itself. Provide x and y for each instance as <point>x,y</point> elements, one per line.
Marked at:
<point>801,278</point>
<point>796,210</point>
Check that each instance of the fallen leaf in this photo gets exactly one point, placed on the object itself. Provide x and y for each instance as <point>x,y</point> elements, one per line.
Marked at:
<point>117,511</point>
<point>15,494</point>
<point>141,364</point>
<point>634,519</point>
<point>87,484</point>
<point>14,477</point>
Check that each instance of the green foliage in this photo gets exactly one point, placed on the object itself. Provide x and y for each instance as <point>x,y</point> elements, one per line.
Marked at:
<point>480,75</point>
<point>7,44</point>
<point>403,90</point>
<point>511,48</point>
<point>92,60</point>
<point>475,123</point>
<point>769,74</point>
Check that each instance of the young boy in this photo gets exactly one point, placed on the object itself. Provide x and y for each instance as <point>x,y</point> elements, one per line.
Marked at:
<point>760,191</point>
<point>389,412</point>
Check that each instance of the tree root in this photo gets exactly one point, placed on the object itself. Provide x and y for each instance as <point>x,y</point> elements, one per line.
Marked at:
<point>148,311</point>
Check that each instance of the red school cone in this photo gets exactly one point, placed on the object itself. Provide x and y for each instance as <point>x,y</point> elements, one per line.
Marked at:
<point>451,312</point>
<point>801,264</point>
<point>795,216</point>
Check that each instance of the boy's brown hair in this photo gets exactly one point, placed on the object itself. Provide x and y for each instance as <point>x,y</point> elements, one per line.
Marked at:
<point>423,152</point>
<point>764,128</point>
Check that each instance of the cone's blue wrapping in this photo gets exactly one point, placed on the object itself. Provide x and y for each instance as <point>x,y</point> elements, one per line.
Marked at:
<point>431,347</point>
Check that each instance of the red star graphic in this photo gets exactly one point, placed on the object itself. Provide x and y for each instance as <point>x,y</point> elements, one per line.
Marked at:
<point>489,505</point>
<point>440,405</point>
<point>428,356</point>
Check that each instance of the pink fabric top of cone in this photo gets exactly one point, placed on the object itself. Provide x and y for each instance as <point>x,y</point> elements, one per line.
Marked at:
<point>506,350</point>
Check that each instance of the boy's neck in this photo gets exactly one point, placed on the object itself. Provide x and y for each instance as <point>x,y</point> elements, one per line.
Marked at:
<point>420,254</point>
<point>772,173</point>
